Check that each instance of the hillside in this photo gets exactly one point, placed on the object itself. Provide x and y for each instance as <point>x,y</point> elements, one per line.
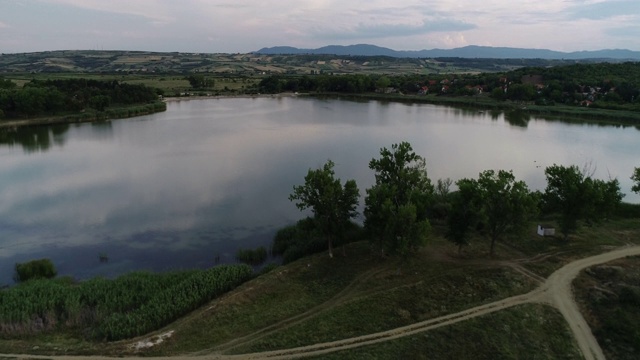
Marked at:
<point>472,51</point>
<point>282,61</point>
<point>362,306</point>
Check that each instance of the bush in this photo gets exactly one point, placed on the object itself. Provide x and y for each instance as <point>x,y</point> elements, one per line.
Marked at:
<point>35,269</point>
<point>253,257</point>
<point>302,239</point>
<point>268,268</point>
<point>628,211</point>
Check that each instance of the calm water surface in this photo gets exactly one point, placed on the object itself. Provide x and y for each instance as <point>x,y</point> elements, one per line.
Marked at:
<point>176,189</point>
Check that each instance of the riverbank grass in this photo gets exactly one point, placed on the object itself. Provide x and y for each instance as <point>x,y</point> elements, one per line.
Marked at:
<point>317,299</point>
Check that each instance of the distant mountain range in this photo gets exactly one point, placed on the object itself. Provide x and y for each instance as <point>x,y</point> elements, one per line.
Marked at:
<point>472,51</point>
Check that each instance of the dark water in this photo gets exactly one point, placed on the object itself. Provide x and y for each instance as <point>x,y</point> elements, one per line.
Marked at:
<point>180,188</point>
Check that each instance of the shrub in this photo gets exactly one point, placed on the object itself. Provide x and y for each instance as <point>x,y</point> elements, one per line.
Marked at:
<point>296,241</point>
<point>35,269</point>
<point>253,257</point>
<point>268,268</point>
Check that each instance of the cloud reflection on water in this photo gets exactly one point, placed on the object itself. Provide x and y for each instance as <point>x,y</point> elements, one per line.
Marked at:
<point>212,175</point>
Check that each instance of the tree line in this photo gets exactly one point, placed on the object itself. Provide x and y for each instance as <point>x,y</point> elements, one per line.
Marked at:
<point>401,204</point>
<point>601,85</point>
<point>52,97</point>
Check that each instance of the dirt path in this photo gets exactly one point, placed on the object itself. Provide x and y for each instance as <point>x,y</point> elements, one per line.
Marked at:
<point>555,291</point>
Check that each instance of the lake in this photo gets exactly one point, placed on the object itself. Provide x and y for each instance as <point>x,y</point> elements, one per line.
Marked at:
<point>177,189</point>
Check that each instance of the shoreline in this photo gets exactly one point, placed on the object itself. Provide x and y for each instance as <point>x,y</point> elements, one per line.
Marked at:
<point>552,113</point>
<point>240,96</point>
<point>84,117</point>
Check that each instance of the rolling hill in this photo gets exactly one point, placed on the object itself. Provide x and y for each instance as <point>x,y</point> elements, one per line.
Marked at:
<point>463,52</point>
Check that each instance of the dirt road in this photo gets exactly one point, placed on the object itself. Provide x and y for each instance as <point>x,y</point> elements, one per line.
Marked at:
<point>555,291</point>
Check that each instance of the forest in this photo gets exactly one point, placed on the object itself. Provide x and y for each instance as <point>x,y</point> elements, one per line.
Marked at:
<point>599,85</point>
<point>63,96</point>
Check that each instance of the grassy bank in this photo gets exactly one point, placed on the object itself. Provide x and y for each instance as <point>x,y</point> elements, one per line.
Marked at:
<point>90,115</point>
<point>522,332</point>
<point>318,299</point>
<point>609,295</point>
<point>101,309</point>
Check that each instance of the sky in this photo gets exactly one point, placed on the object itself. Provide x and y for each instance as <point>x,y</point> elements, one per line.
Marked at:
<point>242,26</point>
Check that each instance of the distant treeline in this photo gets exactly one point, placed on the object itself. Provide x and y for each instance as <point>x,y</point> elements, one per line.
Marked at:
<point>54,97</point>
<point>605,85</point>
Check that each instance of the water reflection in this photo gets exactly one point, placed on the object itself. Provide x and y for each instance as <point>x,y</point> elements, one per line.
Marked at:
<point>517,118</point>
<point>206,177</point>
<point>33,138</point>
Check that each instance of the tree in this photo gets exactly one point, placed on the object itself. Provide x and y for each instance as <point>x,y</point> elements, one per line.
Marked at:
<point>507,204</point>
<point>441,204</point>
<point>200,81</point>
<point>332,204</point>
<point>576,196</point>
<point>396,206</point>
<point>99,102</point>
<point>463,215</point>
<point>636,178</point>
<point>270,85</point>
<point>502,204</point>
<point>6,84</point>
<point>383,82</point>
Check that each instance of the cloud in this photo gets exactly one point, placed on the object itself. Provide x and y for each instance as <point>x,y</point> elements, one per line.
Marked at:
<point>4,26</point>
<point>603,9</point>
<point>370,31</point>
<point>630,31</point>
<point>156,11</point>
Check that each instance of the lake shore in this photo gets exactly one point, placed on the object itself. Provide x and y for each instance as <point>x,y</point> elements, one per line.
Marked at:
<point>85,117</point>
<point>240,96</point>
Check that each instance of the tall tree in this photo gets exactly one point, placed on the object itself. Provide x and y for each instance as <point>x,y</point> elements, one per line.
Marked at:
<point>502,204</point>
<point>576,196</point>
<point>636,179</point>
<point>333,205</point>
<point>507,204</point>
<point>396,206</point>
<point>464,213</point>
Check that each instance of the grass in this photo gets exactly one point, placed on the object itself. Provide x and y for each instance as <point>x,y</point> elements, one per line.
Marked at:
<point>318,299</point>
<point>171,85</point>
<point>255,256</point>
<point>529,331</point>
<point>387,301</point>
<point>130,305</point>
<point>610,296</point>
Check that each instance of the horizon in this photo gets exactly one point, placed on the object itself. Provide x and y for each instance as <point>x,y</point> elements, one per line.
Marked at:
<point>319,47</point>
<point>221,26</point>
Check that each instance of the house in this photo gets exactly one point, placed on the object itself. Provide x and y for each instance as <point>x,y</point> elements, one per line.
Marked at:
<point>546,230</point>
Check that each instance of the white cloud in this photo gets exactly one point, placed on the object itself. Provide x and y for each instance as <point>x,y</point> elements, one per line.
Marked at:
<point>243,26</point>
<point>157,11</point>
<point>384,30</point>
